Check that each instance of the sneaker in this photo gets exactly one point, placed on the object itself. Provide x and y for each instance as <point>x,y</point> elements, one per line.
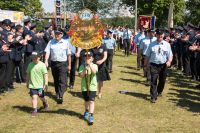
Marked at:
<point>99,95</point>
<point>33,114</point>
<point>85,116</point>
<point>91,120</point>
<point>59,101</point>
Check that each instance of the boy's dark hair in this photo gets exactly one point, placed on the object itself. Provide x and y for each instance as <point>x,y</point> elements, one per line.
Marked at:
<point>18,27</point>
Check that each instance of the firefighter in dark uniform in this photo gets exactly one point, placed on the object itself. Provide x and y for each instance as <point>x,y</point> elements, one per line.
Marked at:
<point>29,47</point>
<point>11,65</point>
<point>20,48</point>
<point>194,59</point>
<point>160,56</point>
<point>5,58</point>
<point>47,36</point>
<point>184,42</point>
<point>48,29</point>
<point>40,42</point>
<point>4,55</point>
<point>196,48</point>
<point>178,47</point>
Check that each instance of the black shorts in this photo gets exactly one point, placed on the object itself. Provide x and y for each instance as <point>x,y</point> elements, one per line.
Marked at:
<point>37,92</point>
<point>89,97</point>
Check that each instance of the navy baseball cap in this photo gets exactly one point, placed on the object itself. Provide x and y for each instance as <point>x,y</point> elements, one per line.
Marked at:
<point>47,26</point>
<point>33,26</point>
<point>89,54</point>
<point>159,31</point>
<point>109,32</point>
<point>36,54</point>
<point>7,22</point>
<point>58,31</point>
<point>27,20</point>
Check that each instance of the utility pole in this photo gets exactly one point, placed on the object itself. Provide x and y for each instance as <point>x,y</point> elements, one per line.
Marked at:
<point>65,12</point>
<point>135,15</point>
<point>83,3</point>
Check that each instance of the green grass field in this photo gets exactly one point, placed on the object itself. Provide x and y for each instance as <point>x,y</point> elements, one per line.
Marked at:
<point>177,111</point>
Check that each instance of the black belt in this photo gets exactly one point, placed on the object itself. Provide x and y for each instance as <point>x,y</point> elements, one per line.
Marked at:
<point>154,64</point>
<point>59,61</point>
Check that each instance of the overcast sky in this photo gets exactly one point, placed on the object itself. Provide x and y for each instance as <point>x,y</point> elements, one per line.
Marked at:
<point>48,5</point>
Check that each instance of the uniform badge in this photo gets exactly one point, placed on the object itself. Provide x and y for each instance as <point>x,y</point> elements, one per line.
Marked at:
<point>101,50</point>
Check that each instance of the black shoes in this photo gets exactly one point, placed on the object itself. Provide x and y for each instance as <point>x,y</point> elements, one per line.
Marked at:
<point>2,90</point>
<point>147,83</point>
<point>8,89</point>
<point>153,100</point>
<point>159,95</point>
<point>59,100</point>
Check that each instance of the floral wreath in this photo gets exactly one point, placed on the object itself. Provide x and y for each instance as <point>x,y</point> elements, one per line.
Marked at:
<point>86,31</point>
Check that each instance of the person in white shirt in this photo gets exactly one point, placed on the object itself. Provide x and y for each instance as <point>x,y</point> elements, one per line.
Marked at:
<point>59,50</point>
<point>137,40</point>
<point>126,40</point>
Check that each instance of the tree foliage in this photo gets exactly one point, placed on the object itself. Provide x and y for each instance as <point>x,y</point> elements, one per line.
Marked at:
<point>102,7</point>
<point>119,21</point>
<point>160,9</point>
<point>193,11</point>
<point>30,7</point>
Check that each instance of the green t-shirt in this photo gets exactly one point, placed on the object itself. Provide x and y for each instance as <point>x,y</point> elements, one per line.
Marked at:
<point>92,79</point>
<point>36,75</point>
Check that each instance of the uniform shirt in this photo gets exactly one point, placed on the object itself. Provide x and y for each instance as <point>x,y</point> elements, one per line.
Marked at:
<point>40,44</point>
<point>127,34</point>
<point>145,43</point>
<point>115,31</point>
<point>58,50</point>
<point>72,47</point>
<point>4,57</point>
<point>47,37</point>
<point>4,35</point>
<point>138,38</point>
<point>30,46</point>
<point>120,33</point>
<point>99,54</point>
<point>110,43</point>
<point>92,78</point>
<point>159,53</point>
<point>36,75</point>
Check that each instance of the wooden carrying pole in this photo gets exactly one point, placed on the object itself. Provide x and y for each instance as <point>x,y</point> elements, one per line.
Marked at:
<point>87,75</point>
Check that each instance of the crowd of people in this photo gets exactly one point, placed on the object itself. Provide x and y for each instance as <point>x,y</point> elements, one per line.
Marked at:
<point>26,53</point>
<point>161,48</point>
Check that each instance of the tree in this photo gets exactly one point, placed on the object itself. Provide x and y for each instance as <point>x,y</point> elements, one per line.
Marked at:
<point>14,5</point>
<point>118,21</point>
<point>159,8</point>
<point>193,11</point>
<point>100,6</point>
<point>29,7</point>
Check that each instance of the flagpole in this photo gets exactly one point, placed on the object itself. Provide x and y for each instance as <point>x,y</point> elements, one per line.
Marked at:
<point>135,16</point>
